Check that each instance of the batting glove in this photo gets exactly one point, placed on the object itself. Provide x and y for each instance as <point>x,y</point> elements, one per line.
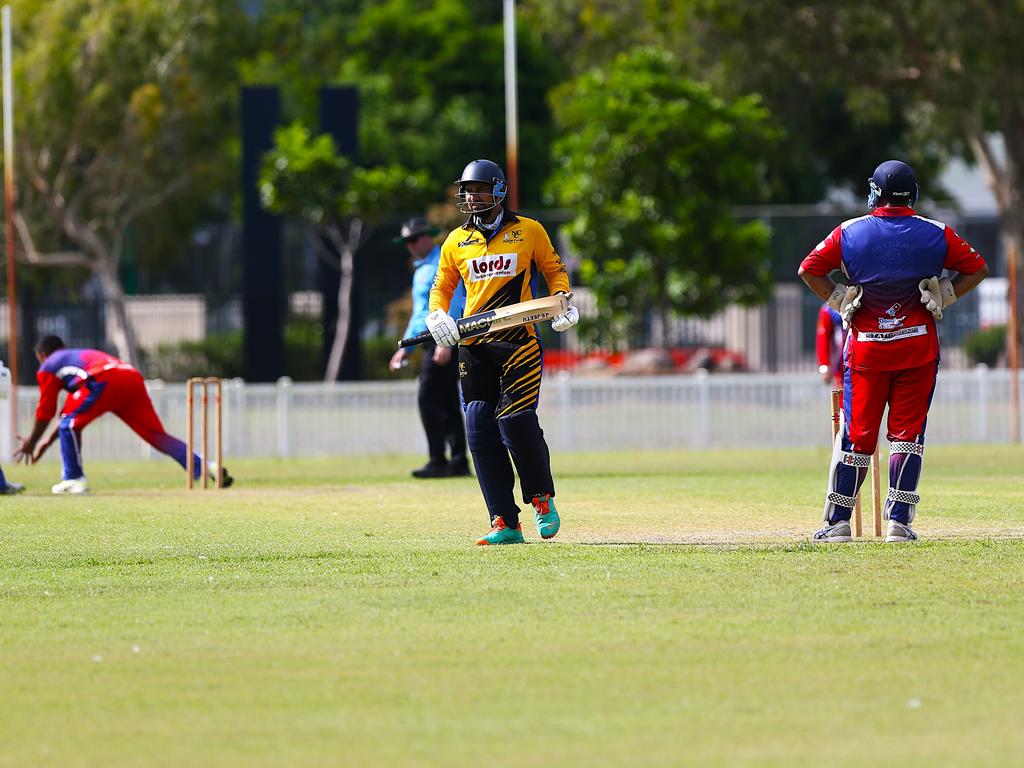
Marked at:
<point>845,300</point>
<point>936,294</point>
<point>443,328</point>
<point>567,320</point>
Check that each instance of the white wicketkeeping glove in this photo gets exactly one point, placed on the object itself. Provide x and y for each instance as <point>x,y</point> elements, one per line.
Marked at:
<point>443,328</point>
<point>845,300</point>
<point>936,294</point>
<point>566,321</point>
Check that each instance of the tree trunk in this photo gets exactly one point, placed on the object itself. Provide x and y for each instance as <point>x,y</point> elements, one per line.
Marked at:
<point>1013,238</point>
<point>101,257</point>
<point>346,251</point>
<point>1013,216</point>
<point>119,324</point>
<point>1005,181</point>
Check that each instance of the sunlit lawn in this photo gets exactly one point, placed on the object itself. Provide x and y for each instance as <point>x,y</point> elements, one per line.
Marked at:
<point>335,612</point>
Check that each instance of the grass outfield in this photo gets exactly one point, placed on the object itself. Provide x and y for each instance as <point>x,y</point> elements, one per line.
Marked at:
<point>336,613</point>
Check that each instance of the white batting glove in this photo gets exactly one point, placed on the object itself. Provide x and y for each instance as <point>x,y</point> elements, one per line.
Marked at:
<point>567,320</point>
<point>443,328</point>
<point>936,294</point>
<point>845,300</point>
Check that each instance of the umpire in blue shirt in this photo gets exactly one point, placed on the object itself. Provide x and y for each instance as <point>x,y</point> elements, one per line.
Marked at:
<point>439,400</point>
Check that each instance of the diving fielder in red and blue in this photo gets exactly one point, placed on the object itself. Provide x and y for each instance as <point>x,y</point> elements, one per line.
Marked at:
<point>97,383</point>
<point>893,260</point>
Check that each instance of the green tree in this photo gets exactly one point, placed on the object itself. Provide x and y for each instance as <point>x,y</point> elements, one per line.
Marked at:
<point>304,176</point>
<point>430,79</point>
<point>737,46</point>
<point>590,33</point>
<point>651,163</point>
<point>299,45</point>
<point>121,111</point>
<point>441,103</point>
<point>953,73</point>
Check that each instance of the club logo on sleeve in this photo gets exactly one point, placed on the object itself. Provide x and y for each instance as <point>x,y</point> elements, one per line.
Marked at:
<point>493,265</point>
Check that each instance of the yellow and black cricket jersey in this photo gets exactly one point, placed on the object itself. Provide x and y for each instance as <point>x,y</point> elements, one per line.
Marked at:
<point>498,271</point>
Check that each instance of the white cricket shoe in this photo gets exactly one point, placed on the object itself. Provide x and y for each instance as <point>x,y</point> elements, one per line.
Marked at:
<point>898,532</point>
<point>834,534</point>
<point>75,485</point>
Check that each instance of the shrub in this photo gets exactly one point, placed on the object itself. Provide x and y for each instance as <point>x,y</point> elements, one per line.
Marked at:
<point>377,352</point>
<point>304,349</point>
<point>221,354</point>
<point>986,346</point>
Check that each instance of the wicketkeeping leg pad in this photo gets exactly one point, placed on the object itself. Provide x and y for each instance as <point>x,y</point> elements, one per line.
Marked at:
<point>525,440</point>
<point>905,462</point>
<point>492,462</point>
<point>845,475</point>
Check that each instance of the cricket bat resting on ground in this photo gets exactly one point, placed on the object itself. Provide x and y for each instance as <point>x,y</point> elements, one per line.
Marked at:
<point>524,313</point>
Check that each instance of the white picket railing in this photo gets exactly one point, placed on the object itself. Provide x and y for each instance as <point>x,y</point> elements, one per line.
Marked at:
<point>579,414</point>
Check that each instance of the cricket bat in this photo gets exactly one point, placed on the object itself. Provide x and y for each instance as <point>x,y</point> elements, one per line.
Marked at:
<point>510,316</point>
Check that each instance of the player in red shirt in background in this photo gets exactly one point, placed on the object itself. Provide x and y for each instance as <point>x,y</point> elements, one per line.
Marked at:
<point>97,383</point>
<point>829,346</point>
<point>892,259</point>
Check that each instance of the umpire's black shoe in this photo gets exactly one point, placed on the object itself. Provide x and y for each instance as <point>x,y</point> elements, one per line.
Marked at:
<point>432,469</point>
<point>459,469</point>
<point>225,479</point>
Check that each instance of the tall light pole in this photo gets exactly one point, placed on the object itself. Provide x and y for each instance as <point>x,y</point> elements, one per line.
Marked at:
<point>1013,344</point>
<point>12,311</point>
<point>511,107</point>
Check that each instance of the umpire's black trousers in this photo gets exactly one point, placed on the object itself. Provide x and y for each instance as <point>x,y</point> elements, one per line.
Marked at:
<point>441,408</point>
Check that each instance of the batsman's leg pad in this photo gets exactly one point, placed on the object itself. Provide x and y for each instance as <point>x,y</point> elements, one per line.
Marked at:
<point>905,461</point>
<point>524,438</point>
<point>70,450</point>
<point>492,462</point>
<point>845,475</point>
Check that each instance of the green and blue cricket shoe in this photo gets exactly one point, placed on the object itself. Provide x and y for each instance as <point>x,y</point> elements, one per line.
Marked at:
<point>545,515</point>
<point>502,534</point>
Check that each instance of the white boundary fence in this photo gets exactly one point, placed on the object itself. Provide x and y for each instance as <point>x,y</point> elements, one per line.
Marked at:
<point>580,414</point>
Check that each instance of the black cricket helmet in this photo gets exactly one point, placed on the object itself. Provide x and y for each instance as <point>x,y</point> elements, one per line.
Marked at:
<point>894,182</point>
<point>487,172</point>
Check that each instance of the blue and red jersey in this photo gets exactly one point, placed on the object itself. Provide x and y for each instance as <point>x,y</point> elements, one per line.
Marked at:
<point>69,369</point>
<point>887,253</point>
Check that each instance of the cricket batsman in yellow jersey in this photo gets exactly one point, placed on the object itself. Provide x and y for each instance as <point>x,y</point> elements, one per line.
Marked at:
<point>499,255</point>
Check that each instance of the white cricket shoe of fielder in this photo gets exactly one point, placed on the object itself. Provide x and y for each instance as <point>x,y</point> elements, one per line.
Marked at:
<point>834,534</point>
<point>75,485</point>
<point>898,532</point>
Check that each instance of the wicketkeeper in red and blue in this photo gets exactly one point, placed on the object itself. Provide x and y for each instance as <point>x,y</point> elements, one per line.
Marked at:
<point>893,260</point>
<point>97,383</point>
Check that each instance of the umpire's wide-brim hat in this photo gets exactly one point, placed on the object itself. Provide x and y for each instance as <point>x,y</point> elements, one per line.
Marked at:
<point>415,227</point>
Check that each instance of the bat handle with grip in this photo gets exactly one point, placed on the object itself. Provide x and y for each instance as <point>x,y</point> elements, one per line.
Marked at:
<point>412,341</point>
